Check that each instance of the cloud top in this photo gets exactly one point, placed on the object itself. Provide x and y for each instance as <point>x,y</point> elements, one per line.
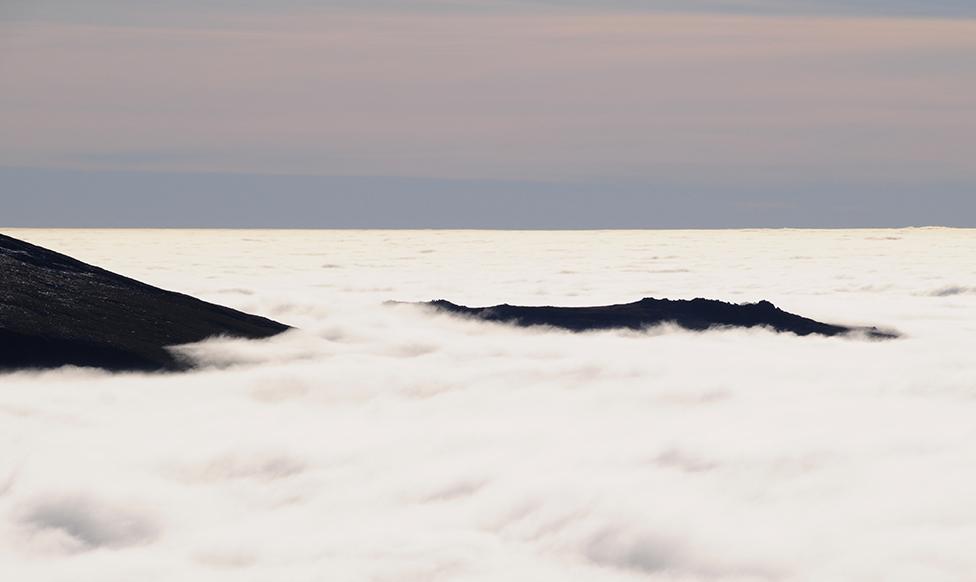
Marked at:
<point>383,443</point>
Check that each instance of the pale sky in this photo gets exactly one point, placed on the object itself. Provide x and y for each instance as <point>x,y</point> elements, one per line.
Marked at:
<point>488,113</point>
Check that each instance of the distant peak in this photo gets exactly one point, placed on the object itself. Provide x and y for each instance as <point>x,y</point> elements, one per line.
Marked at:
<point>696,314</point>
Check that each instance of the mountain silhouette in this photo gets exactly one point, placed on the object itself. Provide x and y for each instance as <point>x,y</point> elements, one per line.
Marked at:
<point>57,311</point>
<point>695,314</point>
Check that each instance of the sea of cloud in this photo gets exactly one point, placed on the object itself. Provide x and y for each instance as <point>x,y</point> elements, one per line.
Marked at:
<point>384,442</point>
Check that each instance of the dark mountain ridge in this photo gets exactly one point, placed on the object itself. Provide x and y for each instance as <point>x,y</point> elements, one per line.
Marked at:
<point>57,311</point>
<point>695,314</point>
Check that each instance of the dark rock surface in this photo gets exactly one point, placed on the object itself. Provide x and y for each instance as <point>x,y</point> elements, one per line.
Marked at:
<point>694,314</point>
<point>57,311</point>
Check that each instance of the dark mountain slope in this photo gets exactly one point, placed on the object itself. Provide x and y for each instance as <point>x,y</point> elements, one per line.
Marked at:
<point>57,311</point>
<point>695,314</point>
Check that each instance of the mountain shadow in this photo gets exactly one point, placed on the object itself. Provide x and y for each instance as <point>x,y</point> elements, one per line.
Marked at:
<point>57,311</point>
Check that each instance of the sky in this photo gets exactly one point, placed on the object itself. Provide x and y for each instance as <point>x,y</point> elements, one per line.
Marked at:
<point>488,114</point>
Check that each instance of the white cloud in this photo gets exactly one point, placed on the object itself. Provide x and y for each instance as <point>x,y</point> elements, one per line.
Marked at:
<point>387,443</point>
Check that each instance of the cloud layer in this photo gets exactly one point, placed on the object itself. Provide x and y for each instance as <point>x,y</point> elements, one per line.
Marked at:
<point>705,114</point>
<point>601,94</point>
<point>386,443</point>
